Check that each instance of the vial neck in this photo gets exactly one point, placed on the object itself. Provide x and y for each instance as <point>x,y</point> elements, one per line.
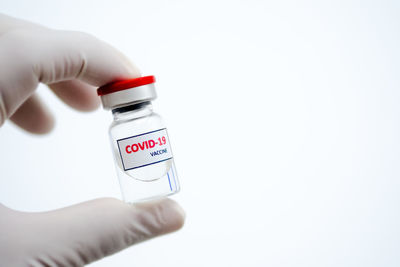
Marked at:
<point>133,111</point>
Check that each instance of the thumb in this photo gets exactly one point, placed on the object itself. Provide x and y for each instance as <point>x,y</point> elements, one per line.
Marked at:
<point>89,231</point>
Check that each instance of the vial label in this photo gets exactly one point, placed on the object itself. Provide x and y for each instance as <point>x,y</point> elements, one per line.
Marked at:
<point>144,149</point>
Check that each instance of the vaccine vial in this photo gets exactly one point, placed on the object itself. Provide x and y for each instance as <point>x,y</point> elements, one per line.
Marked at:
<point>139,140</point>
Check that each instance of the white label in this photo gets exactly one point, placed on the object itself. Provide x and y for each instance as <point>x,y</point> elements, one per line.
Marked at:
<point>144,149</point>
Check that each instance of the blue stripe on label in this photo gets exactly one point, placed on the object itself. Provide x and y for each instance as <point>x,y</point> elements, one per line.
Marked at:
<point>173,175</point>
<point>169,181</point>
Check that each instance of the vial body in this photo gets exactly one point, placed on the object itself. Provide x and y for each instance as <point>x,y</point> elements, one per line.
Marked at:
<point>142,154</point>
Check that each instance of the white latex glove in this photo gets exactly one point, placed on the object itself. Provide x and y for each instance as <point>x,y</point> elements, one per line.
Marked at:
<point>72,64</point>
<point>83,233</point>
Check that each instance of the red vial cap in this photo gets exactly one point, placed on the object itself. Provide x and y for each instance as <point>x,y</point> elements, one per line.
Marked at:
<point>124,84</point>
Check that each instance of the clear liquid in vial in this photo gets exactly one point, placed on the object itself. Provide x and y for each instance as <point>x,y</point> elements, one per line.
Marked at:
<point>147,182</point>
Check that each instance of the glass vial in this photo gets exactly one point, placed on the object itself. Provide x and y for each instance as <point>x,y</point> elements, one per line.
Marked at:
<point>139,141</point>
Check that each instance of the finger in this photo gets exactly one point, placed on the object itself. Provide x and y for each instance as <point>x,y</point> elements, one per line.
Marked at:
<point>32,55</point>
<point>77,94</point>
<point>33,116</point>
<point>66,55</point>
<point>92,230</point>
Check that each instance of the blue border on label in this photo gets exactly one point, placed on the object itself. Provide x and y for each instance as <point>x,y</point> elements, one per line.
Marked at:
<point>169,181</point>
<point>122,160</point>
<point>141,134</point>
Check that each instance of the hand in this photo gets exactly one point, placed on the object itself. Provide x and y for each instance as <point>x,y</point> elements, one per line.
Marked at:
<point>72,64</point>
<point>83,233</point>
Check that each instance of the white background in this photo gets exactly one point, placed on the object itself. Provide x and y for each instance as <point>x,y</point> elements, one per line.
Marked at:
<point>284,120</point>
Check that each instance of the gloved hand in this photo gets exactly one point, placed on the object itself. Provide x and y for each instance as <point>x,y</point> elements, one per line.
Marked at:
<point>82,233</point>
<point>72,64</point>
